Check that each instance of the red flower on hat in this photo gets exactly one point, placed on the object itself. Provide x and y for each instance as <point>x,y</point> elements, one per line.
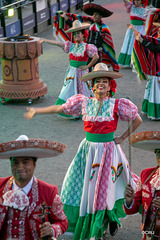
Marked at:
<point>113,86</point>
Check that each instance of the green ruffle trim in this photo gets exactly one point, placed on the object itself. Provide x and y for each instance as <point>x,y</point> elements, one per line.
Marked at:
<point>124,59</point>
<point>92,224</point>
<point>151,109</point>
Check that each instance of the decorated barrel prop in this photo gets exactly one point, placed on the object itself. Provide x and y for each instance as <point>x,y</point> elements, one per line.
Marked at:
<point>20,70</point>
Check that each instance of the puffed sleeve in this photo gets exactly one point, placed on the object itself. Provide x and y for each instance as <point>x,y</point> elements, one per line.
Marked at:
<point>73,106</point>
<point>91,50</point>
<point>66,46</point>
<point>127,111</point>
<point>128,6</point>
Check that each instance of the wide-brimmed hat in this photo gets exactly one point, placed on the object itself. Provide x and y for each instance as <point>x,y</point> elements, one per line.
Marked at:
<point>157,24</point>
<point>91,8</point>
<point>30,147</point>
<point>77,26</point>
<point>148,140</point>
<point>100,70</point>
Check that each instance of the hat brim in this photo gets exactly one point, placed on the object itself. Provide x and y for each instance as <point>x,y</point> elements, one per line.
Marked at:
<point>38,148</point>
<point>91,8</point>
<point>84,26</point>
<point>149,140</point>
<point>156,24</point>
<point>94,74</point>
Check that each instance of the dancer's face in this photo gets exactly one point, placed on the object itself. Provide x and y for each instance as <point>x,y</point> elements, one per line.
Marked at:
<point>78,36</point>
<point>137,3</point>
<point>96,17</point>
<point>101,85</point>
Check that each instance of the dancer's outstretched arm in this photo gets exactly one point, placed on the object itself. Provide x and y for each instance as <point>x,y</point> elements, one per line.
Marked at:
<point>52,42</point>
<point>45,110</point>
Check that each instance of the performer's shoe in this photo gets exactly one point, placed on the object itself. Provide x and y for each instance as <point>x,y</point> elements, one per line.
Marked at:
<point>113,228</point>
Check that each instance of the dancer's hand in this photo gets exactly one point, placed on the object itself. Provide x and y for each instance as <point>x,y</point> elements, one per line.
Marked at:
<point>84,67</point>
<point>118,140</point>
<point>42,40</point>
<point>130,26</point>
<point>156,202</point>
<point>129,195</point>
<point>138,37</point>
<point>30,114</point>
<point>63,14</point>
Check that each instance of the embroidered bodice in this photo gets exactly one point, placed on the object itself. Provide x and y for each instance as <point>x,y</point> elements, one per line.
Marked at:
<point>80,52</point>
<point>108,116</point>
<point>135,12</point>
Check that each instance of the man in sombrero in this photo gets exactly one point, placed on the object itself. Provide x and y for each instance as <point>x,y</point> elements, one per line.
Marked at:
<point>99,32</point>
<point>147,190</point>
<point>24,198</point>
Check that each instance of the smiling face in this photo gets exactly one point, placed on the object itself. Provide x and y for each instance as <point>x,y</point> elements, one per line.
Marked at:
<point>78,36</point>
<point>137,3</point>
<point>22,170</point>
<point>96,17</point>
<point>101,86</point>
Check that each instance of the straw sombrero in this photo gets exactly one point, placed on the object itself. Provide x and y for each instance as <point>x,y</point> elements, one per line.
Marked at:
<point>157,24</point>
<point>77,26</point>
<point>100,70</point>
<point>91,8</point>
<point>25,147</point>
<point>149,140</point>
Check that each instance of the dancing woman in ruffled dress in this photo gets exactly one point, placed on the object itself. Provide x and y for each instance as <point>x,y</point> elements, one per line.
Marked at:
<point>93,188</point>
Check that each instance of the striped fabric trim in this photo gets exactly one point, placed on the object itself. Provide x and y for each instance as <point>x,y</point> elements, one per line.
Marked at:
<point>144,60</point>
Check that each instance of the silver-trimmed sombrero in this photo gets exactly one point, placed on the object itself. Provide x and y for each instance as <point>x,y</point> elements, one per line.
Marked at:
<point>30,147</point>
<point>148,140</point>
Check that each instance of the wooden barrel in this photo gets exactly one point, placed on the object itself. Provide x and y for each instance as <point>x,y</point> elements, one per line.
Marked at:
<point>20,68</point>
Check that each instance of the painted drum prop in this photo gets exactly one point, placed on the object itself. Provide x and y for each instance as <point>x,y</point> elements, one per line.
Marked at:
<point>20,69</point>
<point>148,140</point>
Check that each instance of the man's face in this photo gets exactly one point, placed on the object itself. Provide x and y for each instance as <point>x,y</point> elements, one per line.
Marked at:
<point>22,169</point>
<point>96,17</point>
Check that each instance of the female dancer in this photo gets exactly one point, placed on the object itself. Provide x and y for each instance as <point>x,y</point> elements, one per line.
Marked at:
<point>79,53</point>
<point>137,16</point>
<point>93,188</point>
<point>148,55</point>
